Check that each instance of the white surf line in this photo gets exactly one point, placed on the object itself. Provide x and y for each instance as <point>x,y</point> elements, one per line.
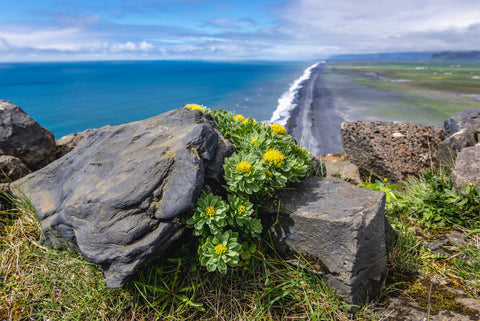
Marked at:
<point>287,102</point>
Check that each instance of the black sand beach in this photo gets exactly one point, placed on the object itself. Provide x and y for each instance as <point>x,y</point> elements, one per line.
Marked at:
<point>315,121</point>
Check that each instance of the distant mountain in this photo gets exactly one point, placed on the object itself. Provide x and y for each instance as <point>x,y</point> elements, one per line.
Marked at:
<point>457,55</point>
<point>384,56</point>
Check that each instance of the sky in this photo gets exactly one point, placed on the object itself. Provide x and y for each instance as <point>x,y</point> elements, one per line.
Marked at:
<point>69,30</point>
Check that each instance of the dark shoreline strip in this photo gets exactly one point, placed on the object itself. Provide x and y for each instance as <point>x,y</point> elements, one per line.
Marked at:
<point>314,122</point>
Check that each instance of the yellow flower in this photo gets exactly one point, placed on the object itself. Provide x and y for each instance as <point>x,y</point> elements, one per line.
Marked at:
<point>385,180</point>
<point>193,106</point>
<point>273,156</point>
<point>470,184</point>
<point>254,140</point>
<point>239,117</point>
<point>278,129</point>
<point>241,209</point>
<point>210,211</point>
<point>244,167</point>
<point>220,249</point>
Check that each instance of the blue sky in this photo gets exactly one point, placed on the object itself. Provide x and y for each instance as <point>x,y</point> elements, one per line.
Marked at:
<point>56,30</point>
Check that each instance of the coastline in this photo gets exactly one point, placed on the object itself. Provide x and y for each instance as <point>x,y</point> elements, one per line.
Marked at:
<point>315,120</point>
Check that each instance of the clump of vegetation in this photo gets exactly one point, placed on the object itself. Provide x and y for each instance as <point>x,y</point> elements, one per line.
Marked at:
<point>265,160</point>
<point>437,203</point>
<point>384,186</point>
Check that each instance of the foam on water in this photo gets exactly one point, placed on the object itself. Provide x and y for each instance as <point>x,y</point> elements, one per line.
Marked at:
<point>289,99</point>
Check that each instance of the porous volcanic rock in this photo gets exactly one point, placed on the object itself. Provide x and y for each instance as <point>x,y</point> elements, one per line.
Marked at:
<point>467,167</point>
<point>391,149</point>
<point>340,227</point>
<point>21,136</point>
<point>122,194</point>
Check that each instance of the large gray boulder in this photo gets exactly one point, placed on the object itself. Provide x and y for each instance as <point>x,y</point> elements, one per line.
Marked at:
<point>463,130</point>
<point>466,119</point>
<point>467,167</point>
<point>21,136</point>
<point>123,193</point>
<point>452,145</point>
<point>391,149</point>
<point>340,227</point>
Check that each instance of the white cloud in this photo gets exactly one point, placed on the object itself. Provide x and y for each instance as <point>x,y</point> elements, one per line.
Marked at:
<point>42,39</point>
<point>391,25</point>
<point>145,46</point>
<point>297,29</point>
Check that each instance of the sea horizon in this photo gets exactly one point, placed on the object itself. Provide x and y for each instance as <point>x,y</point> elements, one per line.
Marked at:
<point>69,97</point>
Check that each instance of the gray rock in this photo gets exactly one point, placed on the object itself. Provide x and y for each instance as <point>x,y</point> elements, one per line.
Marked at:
<point>65,144</point>
<point>21,136</point>
<point>341,228</point>
<point>11,169</point>
<point>344,170</point>
<point>391,149</point>
<point>123,192</point>
<point>451,146</point>
<point>467,119</point>
<point>467,167</point>
<point>470,303</point>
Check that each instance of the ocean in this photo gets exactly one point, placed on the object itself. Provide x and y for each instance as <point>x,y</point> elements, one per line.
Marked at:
<point>70,97</point>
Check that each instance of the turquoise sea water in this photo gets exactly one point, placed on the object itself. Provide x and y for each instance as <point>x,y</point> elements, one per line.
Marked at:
<point>71,97</point>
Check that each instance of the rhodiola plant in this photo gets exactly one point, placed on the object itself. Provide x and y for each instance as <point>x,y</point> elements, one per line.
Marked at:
<point>266,159</point>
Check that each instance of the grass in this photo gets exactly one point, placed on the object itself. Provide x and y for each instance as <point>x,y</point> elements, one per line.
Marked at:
<point>38,283</point>
<point>419,91</point>
<point>455,78</point>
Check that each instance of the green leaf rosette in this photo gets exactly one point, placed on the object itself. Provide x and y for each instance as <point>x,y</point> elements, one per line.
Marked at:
<point>244,174</point>
<point>240,211</point>
<point>220,251</point>
<point>209,215</point>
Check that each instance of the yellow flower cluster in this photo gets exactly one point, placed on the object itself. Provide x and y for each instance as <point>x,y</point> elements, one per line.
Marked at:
<point>193,106</point>
<point>254,140</point>
<point>241,209</point>
<point>273,156</point>
<point>239,117</point>
<point>220,249</point>
<point>278,129</point>
<point>244,167</point>
<point>210,211</point>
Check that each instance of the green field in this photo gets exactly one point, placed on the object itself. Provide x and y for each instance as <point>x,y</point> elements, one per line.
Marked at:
<point>408,91</point>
